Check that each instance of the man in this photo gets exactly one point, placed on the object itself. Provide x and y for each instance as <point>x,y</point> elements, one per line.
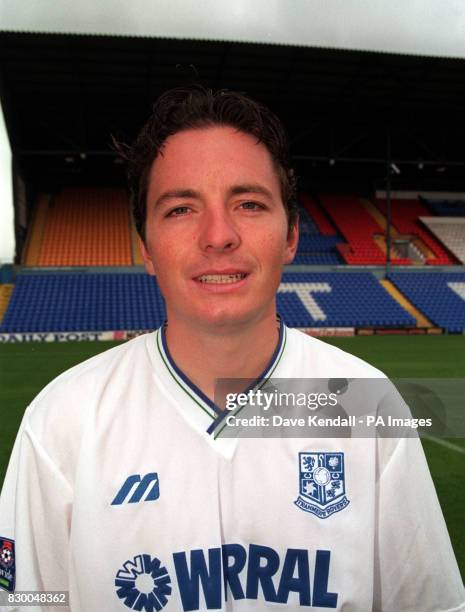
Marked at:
<point>123,487</point>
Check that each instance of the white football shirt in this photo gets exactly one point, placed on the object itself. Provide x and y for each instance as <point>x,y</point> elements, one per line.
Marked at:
<point>123,489</point>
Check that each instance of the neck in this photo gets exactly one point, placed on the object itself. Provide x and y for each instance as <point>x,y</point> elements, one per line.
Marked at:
<point>205,357</point>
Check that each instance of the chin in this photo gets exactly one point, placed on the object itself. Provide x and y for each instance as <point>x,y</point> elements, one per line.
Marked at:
<point>224,318</point>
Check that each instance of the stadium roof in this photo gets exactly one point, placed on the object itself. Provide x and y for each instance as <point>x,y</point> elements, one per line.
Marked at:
<point>64,95</point>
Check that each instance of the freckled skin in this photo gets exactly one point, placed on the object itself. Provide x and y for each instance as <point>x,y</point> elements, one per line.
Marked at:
<point>216,230</point>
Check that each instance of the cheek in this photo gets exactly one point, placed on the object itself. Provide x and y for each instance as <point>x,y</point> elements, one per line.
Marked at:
<point>168,250</point>
<point>163,257</point>
<point>274,246</point>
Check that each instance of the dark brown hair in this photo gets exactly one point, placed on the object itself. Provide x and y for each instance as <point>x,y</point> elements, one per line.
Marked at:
<point>197,107</point>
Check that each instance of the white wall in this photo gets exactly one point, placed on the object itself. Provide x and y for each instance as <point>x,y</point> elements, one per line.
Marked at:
<point>7,237</point>
<point>423,27</point>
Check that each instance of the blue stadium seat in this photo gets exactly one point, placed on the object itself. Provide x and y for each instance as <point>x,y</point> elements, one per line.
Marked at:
<point>431,293</point>
<point>344,300</point>
<point>119,301</point>
<point>313,247</point>
<point>446,208</point>
<point>83,302</point>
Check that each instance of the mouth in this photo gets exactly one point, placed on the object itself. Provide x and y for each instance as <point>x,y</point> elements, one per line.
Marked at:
<point>222,282</point>
<point>221,279</point>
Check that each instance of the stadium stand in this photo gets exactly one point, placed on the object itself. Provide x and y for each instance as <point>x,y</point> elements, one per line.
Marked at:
<point>135,246</point>
<point>332,299</point>
<point>439,295</point>
<point>5,295</point>
<point>317,259</point>
<point>360,229</point>
<point>306,223</point>
<point>103,301</point>
<point>316,213</point>
<point>450,231</point>
<point>83,302</point>
<point>31,253</point>
<point>315,247</point>
<point>87,227</point>
<point>420,318</point>
<point>445,208</point>
<point>405,215</point>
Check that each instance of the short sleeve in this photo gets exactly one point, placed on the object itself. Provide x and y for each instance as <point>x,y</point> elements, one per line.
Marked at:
<point>415,566</point>
<point>35,515</point>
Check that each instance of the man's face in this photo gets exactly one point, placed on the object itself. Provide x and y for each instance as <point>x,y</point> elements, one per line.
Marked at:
<point>216,228</point>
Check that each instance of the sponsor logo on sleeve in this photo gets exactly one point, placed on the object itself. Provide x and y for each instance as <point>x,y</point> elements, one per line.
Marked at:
<point>7,564</point>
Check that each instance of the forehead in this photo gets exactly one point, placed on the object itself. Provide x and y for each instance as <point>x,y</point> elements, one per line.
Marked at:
<point>212,157</point>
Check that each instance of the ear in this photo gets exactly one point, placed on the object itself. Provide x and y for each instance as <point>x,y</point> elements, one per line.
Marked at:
<point>148,263</point>
<point>292,242</point>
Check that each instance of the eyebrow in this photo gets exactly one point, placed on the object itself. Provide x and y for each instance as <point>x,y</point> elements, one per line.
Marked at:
<point>250,188</point>
<point>177,194</point>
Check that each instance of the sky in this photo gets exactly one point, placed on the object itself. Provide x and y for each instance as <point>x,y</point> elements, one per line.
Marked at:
<point>422,27</point>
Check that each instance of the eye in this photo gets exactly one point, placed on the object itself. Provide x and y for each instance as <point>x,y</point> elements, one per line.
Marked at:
<point>250,205</point>
<point>179,211</point>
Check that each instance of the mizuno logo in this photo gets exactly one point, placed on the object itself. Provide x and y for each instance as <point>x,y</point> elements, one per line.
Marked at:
<point>137,486</point>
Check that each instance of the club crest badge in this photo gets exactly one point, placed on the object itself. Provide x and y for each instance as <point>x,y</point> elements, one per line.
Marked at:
<point>322,489</point>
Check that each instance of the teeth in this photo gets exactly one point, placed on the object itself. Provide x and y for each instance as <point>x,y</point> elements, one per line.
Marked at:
<point>221,278</point>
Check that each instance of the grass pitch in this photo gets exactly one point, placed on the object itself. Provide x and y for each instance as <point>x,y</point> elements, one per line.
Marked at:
<point>26,368</point>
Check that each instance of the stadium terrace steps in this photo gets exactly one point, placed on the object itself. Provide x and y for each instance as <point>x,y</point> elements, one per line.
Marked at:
<point>416,243</point>
<point>405,215</point>
<point>450,231</point>
<point>417,254</point>
<point>380,239</point>
<point>31,254</point>
<point>87,227</point>
<point>420,318</point>
<point>5,295</point>
<point>381,242</point>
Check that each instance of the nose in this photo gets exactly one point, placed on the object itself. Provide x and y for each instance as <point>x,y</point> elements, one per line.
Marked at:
<point>218,232</point>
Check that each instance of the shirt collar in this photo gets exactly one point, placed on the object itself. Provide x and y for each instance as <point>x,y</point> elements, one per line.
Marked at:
<point>195,396</point>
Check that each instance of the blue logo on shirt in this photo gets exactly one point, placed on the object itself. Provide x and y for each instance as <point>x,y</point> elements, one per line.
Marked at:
<point>143,584</point>
<point>138,486</point>
<point>321,483</point>
<point>207,579</point>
